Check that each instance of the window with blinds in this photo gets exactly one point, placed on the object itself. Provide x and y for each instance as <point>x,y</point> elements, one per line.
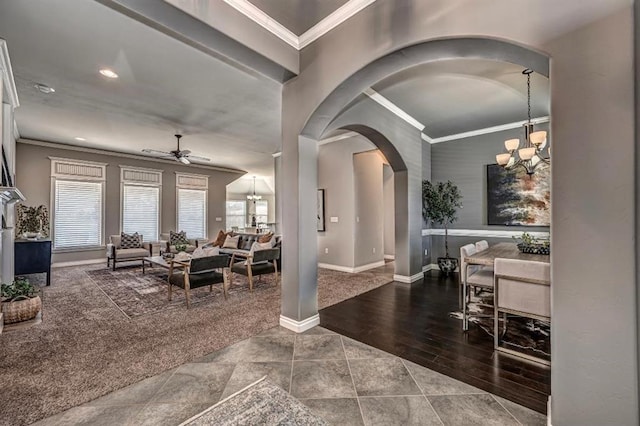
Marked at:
<point>236,214</point>
<point>262,211</point>
<point>192,212</point>
<point>78,214</point>
<point>141,211</point>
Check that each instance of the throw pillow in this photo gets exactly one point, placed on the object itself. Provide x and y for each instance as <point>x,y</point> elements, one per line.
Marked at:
<point>219,241</point>
<point>205,252</point>
<point>257,247</point>
<point>265,238</point>
<point>176,238</point>
<point>130,241</point>
<point>231,242</point>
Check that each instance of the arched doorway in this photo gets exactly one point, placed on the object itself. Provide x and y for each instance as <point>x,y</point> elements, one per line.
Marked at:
<point>299,159</point>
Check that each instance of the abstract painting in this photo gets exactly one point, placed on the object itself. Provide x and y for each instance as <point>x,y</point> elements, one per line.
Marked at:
<point>517,199</point>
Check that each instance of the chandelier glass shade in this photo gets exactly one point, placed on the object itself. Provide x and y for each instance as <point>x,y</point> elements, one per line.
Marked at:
<point>253,197</point>
<point>531,154</point>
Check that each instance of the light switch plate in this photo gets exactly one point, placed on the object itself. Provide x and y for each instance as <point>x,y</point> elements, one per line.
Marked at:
<point>218,219</point>
<point>334,219</point>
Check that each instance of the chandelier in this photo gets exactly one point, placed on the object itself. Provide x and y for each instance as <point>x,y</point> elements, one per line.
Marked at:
<point>254,197</point>
<point>531,155</point>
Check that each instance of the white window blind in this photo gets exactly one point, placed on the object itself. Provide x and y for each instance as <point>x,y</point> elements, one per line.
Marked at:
<point>77,214</point>
<point>192,212</point>
<point>141,211</point>
<point>262,211</point>
<point>236,214</point>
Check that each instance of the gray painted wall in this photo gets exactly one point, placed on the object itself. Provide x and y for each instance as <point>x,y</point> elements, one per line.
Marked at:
<point>464,162</point>
<point>595,374</point>
<point>33,177</point>
<point>336,177</point>
<point>369,211</point>
<point>389,211</point>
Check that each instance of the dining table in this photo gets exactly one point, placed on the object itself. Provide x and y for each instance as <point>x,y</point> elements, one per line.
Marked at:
<point>503,251</point>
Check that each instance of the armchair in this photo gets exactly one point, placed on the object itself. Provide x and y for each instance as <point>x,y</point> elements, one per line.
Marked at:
<point>116,253</point>
<point>199,272</point>
<point>170,247</point>
<point>259,262</point>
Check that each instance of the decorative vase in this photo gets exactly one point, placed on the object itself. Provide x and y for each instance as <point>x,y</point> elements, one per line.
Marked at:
<point>447,264</point>
<point>534,248</point>
<point>21,309</point>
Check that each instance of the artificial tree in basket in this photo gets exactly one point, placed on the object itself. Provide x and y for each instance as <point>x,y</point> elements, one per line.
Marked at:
<point>440,203</point>
<point>19,301</point>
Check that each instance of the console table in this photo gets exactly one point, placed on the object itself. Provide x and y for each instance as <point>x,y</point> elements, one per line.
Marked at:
<point>33,257</point>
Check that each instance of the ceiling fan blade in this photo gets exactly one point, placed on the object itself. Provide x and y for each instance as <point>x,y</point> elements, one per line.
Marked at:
<point>184,152</point>
<point>183,160</point>
<point>156,152</point>
<point>198,158</point>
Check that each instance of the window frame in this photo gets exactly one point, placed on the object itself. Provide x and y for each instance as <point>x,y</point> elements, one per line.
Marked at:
<point>141,177</point>
<point>71,170</point>
<point>196,182</point>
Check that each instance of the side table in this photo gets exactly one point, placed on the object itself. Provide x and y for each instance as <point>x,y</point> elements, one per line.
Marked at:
<point>33,257</point>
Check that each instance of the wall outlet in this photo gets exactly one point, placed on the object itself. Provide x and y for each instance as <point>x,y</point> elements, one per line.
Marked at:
<point>374,249</point>
<point>218,219</point>
<point>326,251</point>
<point>426,252</point>
<point>357,218</point>
<point>334,219</point>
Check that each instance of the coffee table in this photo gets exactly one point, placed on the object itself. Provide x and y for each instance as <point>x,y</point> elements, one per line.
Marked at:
<point>161,262</point>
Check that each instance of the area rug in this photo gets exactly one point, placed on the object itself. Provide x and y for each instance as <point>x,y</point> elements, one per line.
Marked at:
<point>138,294</point>
<point>261,403</point>
<point>531,337</point>
<point>86,347</point>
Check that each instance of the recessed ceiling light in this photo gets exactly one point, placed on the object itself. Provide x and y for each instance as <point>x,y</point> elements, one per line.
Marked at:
<point>44,88</point>
<point>108,73</point>
<point>80,139</point>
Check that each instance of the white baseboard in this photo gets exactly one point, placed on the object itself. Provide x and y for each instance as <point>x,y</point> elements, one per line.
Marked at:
<point>429,267</point>
<point>299,326</point>
<point>78,263</point>
<point>390,256</point>
<point>349,269</point>
<point>408,279</point>
<point>549,411</point>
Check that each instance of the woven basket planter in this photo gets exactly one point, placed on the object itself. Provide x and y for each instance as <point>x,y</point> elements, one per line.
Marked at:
<point>21,310</point>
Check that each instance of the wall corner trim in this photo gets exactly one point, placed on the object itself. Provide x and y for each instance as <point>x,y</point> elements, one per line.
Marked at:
<point>300,326</point>
<point>408,279</point>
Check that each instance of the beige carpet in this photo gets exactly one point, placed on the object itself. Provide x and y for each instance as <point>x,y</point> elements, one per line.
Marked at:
<point>86,347</point>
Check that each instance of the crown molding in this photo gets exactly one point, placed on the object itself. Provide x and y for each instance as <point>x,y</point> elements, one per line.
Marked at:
<point>265,21</point>
<point>7,75</point>
<point>487,130</point>
<point>122,155</point>
<point>331,21</point>
<point>393,108</point>
<point>337,138</point>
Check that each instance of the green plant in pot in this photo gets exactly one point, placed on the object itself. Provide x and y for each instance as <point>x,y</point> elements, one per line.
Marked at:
<point>32,222</point>
<point>19,301</point>
<point>440,204</point>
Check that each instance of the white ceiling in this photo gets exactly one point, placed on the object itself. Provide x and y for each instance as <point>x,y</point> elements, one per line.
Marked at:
<point>298,15</point>
<point>244,185</point>
<point>456,96</point>
<point>165,86</point>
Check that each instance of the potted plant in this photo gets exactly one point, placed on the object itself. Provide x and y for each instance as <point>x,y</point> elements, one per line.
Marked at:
<point>527,243</point>
<point>440,203</point>
<point>19,301</point>
<point>32,222</point>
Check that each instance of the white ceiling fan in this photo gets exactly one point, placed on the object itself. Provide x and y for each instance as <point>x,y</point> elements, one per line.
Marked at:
<point>182,156</point>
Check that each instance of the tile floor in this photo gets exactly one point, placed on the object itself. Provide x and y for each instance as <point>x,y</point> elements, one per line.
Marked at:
<point>342,380</point>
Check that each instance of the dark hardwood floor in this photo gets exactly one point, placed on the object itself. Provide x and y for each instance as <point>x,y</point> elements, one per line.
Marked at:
<point>412,321</point>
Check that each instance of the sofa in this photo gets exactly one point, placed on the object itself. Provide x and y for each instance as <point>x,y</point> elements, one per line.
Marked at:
<point>115,252</point>
<point>245,243</point>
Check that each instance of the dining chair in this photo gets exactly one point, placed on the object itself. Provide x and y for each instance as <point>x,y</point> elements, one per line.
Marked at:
<point>472,276</point>
<point>521,288</point>
<point>199,272</point>
<point>482,245</point>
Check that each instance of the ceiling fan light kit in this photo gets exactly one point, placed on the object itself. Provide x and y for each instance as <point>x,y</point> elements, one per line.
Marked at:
<point>182,156</point>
